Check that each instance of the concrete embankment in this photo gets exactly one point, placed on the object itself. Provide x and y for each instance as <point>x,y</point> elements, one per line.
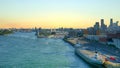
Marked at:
<point>72,42</point>
<point>87,44</point>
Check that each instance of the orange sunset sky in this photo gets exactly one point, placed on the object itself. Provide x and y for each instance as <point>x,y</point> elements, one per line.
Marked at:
<point>57,13</point>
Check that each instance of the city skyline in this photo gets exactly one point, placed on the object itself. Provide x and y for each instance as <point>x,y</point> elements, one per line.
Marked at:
<point>57,13</point>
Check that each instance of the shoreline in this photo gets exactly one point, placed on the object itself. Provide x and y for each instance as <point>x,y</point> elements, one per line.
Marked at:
<point>98,47</point>
<point>65,40</point>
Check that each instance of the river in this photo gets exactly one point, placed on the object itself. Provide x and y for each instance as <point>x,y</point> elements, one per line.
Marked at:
<point>24,50</point>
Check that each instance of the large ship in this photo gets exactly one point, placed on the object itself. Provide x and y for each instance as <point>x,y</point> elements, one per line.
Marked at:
<point>91,57</point>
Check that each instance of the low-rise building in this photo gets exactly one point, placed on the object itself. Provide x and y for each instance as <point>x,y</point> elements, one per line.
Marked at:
<point>115,39</point>
<point>103,40</point>
<point>95,37</point>
<point>116,42</point>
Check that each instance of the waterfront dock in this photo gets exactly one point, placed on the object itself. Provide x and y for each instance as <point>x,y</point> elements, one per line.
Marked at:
<point>71,41</point>
<point>75,41</point>
<point>105,50</point>
<point>89,56</point>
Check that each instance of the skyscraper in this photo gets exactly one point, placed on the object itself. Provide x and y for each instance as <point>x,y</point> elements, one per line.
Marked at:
<point>111,22</point>
<point>102,23</point>
<point>96,26</point>
<point>103,26</point>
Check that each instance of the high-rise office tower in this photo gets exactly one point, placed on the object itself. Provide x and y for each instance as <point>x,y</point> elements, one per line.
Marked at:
<point>96,26</point>
<point>102,23</point>
<point>103,26</point>
<point>111,22</point>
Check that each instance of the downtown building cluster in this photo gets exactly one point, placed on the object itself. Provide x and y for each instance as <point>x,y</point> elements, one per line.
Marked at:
<point>104,34</point>
<point>100,28</point>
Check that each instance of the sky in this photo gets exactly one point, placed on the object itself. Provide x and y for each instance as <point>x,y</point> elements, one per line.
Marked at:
<point>57,13</point>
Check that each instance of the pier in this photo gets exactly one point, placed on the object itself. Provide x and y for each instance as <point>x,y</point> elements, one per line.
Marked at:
<point>92,46</point>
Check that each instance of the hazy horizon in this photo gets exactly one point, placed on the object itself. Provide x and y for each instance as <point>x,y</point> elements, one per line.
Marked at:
<point>57,13</point>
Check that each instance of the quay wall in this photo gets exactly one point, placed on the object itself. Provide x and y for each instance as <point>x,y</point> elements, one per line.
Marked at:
<point>107,64</point>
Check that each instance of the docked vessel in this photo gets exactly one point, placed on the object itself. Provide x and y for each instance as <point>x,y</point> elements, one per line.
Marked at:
<point>89,56</point>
